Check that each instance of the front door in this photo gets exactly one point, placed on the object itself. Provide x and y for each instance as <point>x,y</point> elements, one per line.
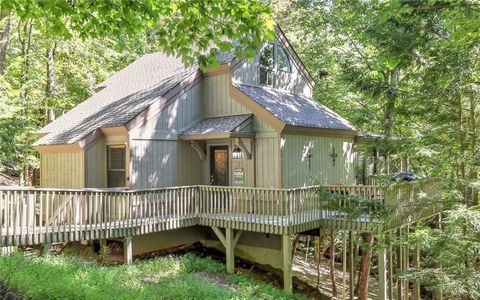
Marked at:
<point>219,165</point>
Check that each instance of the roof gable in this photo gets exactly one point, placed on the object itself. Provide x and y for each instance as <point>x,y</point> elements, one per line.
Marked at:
<point>126,94</point>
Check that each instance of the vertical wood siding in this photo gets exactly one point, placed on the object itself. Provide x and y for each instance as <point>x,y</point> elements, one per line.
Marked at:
<point>267,162</point>
<point>62,170</point>
<point>177,115</point>
<point>95,165</point>
<point>157,163</point>
<point>296,172</point>
<point>293,82</point>
<point>216,97</point>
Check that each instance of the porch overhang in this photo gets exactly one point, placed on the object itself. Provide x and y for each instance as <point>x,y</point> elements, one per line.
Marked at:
<point>237,126</point>
<point>214,136</point>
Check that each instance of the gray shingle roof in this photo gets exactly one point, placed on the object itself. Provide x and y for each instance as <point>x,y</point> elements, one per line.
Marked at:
<point>125,95</point>
<point>295,110</point>
<point>216,125</point>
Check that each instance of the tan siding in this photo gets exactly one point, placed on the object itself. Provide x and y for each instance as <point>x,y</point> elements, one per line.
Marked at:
<point>96,164</point>
<point>294,82</point>
<point>62,170</point>
<point>180,113</point>
<point>164,163</point>
<point>216,97</point>
<point>267,162</point>
<point>295,162</point>
<point>246,164</point>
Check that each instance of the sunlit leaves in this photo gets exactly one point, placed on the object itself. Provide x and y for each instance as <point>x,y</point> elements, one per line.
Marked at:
<point>190,29</point>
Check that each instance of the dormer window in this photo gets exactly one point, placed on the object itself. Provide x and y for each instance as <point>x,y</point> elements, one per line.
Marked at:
<point>272,59</point>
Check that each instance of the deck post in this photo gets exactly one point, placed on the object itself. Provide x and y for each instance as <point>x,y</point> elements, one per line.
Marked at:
<point>382,273</point>
<point>127,250</point>
<point>46,249</point>
<point>229,240</point>
<point>287,263</point>
<point>229,250</point>
<point>351,265</point>
<point>406,262</point>
<point>399,255</point>
<point>390,267</point>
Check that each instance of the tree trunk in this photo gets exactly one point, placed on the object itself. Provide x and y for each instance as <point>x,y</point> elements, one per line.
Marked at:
<point>25,39</point>
<point>4,35</point>
<point>391,95</point>
<point>321,251</point>
<point>473,145</point>
<point>50,87</point>
<point>294,245</point>
<point>332,264</point>
<point>362,285</point>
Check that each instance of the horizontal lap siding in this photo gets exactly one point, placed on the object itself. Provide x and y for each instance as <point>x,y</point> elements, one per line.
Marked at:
<point>62,170</point>
<point>295,162</point>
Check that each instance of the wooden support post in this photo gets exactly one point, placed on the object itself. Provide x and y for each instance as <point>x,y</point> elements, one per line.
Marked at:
<point>416,264</point>
<point>390,268</point>
<point>127,250</point>
<point>103,243</point>
<point>46,249</point>
<point>399,268</point>
<point>287,263</point>
<point>406,263</point>
<point>229,240</point>
<point>229,250</point>
<point>351,271</point>
<point>439,295</point>
<point>344,266</point>
<point>382,273</point>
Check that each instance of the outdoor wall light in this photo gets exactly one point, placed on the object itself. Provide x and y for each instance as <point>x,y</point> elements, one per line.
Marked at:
<point>236,153</point>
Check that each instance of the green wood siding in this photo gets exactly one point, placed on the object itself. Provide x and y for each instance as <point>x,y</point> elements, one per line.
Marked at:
<point>96,162</point>
<point>296,171</point>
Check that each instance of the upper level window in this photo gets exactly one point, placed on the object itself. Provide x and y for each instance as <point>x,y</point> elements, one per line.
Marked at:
<point>272,58</point>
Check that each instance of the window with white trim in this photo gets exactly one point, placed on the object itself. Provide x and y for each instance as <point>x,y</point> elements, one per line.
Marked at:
<point>272,59</point>
<point>116,166</point>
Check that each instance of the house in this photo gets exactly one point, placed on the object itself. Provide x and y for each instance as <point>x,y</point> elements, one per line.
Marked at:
<point>157,124</point>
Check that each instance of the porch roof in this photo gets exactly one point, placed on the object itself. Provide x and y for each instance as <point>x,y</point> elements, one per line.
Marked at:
<point>218,127</point>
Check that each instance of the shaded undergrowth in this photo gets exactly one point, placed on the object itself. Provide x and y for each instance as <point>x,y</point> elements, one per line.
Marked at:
<point>170,277</point>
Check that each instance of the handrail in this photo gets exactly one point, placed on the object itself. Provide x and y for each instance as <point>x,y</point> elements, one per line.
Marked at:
<point>29,215</point>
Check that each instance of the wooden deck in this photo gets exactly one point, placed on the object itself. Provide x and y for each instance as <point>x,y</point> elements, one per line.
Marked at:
<point>36,216</point>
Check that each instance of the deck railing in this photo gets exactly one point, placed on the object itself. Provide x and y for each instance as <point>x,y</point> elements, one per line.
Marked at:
<point>34,216</point>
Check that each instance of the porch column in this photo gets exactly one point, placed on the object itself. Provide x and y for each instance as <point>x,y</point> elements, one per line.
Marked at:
<point>287,263</point>
<point>127,250</point>
<point>382,273</point>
